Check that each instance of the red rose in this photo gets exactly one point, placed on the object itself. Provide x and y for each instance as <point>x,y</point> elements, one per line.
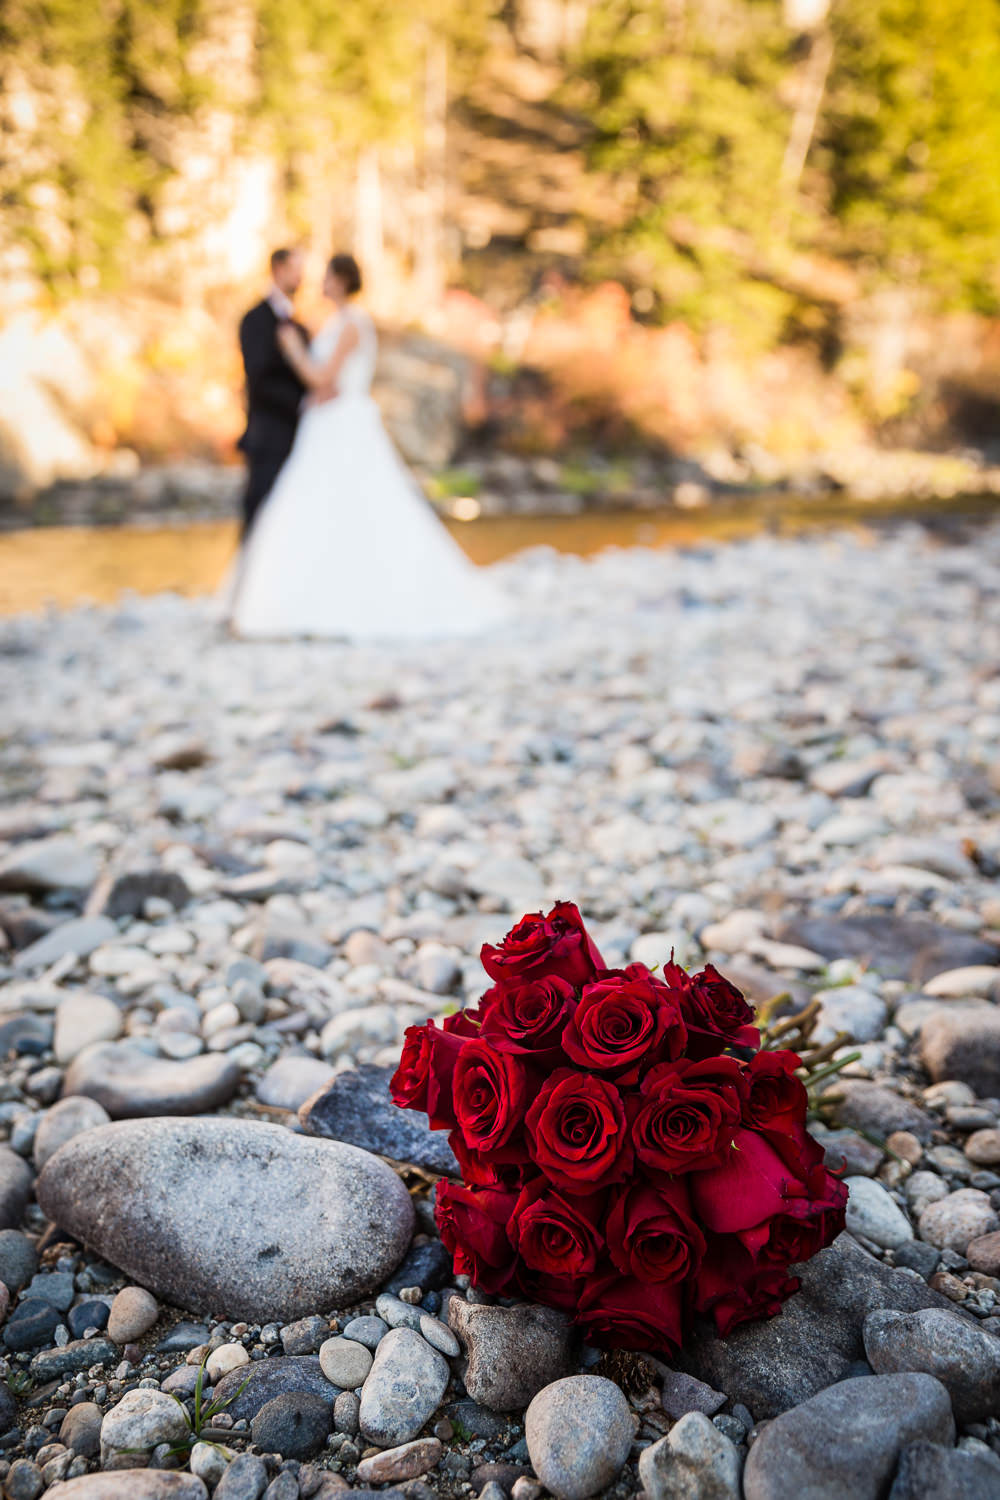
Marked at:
<point>716,1014</point>
<point>553,947</point>
<point>625,1019</point>
<point>530,1018</point>
<point>578,1132</point>
<point>735,1291</point>
<point>688,1114</point>
<point>556,1235</point>
<point>651,1234</point>
<point>619,1312</point>
<point>472,1223</point>
<point>775,1097</point>
<point>752,1186</point>
<point>423,1079</point>
<point>490,1090</point>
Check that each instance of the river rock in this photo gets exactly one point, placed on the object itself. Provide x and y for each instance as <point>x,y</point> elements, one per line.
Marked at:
<point>944,1344</point>
<point>879,1111</point>
<point>407,1381</point>
<point>846,1440</point>
<point>579,1432</point>
<point>772,1365</point>
<point>296,1425</point>
<point>267,1378</point>
<point>291,1081</point>
<point>66,1119</point>
<point>58,863</point>
<point>345,1363</point>
<point>80,1429</point>
<point>695,1461</point>
<point>953,1222</point>
<point>141,1420</point>
<point>909,948</point>
<point>136,1484</point>
<point>18,1259</point>
<point>873,1214</point>
<point>80,935</point>
<point>16,1178</point>
<point>406,1462</point>
<point>130,1084</point>
<point>133,1313</point>
<point>231,1216</point>
<point>244,1479</point>
<point>82,1020</point>
<point>512,1351</point>
<point>356,1108</point>
<point>928,1471</point>
<point>963,1042</point>
<point>126,895</point>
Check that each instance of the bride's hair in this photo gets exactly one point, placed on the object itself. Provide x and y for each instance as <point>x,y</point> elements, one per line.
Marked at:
<point>347,268</point>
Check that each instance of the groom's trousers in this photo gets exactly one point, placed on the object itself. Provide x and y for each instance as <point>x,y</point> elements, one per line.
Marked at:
<point>263,470</point>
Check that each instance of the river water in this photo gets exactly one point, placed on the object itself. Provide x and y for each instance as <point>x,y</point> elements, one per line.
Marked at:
<point>59,566</point>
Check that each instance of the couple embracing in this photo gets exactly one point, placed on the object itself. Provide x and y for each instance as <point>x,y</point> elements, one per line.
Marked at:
<point>337,539</point>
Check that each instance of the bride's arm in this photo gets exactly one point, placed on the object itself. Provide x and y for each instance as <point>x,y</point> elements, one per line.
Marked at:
<point>321,378</point>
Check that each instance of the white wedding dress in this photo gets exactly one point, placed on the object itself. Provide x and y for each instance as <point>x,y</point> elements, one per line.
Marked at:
<point>346,545</point>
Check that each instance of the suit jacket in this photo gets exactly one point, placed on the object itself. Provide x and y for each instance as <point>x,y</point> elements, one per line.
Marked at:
<point>274,391</point>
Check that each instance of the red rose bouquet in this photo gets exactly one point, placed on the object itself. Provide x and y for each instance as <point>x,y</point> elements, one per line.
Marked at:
<point>629,1153</point>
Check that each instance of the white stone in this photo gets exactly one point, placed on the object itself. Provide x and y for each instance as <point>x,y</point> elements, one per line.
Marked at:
<point>980,980</point>
<point>227,1357</point>
<point>83,1019</point>
<point>141,1421</point>
<point>872,1214</point>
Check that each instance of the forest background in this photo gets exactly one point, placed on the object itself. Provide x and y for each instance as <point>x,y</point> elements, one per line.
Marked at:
<point>739,232</point>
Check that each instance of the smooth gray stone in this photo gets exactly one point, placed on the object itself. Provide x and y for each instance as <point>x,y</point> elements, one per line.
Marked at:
<point>909,948</point>
<point>81,1429</point>
<point>230,1216</point>
<point>963,1042</point>
<point>16,1178</point>
<point>940,1343</point>
<point>404,1388</point>
<point>130,1484</point>
<point>512,1351</point>
<point>18,1259</point>
<point>846,1440</point>
<point>70,1117</point>
<point>81,935</point>
<point>868,1106</point>
<point>131,1084</point>
<point>77,1355</point>
<point>244,1479</point>
<point>927,1471</point>
<point>291,1081</point>
<point>774,1364</point>
<point>26,1032</point>
<point>357,1108</point>
<point>296,1425</point>
<point>267,1378</point>
<point>58,863</point>
<point>125,895</point>
<point>579,1432</point>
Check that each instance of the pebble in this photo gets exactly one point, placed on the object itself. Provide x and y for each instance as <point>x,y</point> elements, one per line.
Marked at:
<point>345,1363</point>
<point>64,1120</point>
<point>295,1424</point>
<point>133,1313</point>
<point>320,1223</point>
<point>244,1479</point>
<point>82,1020</point>
<point>264,1379</point>
<point>408,1461</point>
<point>944,1344</point>
<point>872,1214</point>
<point>209,1462</point>
<point>141,1420</point>
<point>226,1358</point>
<point>290,1081</point>
<point>846,1440</point>
<point>579,1432</point>
<point>367,1330</point>
<point>983,1147</point>
<point>80,1429</point>
<point>963,1042</point>
<point>683,1393</point>
<point>983,1253</point>
<point>928,1469</point>
<point>955,1220</point>
<point>695,1461</point>
<point>405,1386</point>
<point>129,1083</point>
<point>16,1181</point>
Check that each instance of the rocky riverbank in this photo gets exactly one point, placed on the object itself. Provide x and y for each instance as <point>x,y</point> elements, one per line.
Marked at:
<point>231,875</point>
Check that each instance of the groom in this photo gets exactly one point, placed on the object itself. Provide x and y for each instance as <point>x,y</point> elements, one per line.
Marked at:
<point>274,391</point>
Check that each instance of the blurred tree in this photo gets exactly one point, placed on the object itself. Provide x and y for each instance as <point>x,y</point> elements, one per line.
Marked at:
<point>910,142</point>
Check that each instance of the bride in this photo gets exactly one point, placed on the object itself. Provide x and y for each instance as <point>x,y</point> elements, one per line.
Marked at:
<point>346,545</point>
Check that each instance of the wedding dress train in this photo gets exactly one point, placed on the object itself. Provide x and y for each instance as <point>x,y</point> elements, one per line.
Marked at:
<point>346,546</point>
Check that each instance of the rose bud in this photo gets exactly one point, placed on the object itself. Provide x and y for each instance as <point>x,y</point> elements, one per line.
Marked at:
<point>716,1014</point>
<point>472,1223</point>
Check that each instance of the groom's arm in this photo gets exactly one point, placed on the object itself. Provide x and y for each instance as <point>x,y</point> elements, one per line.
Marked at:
<point>268,383</point>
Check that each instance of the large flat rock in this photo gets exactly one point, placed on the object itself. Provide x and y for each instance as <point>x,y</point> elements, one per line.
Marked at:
<point>907,948</point>
<point>356,1107</point>
<point>229,1216</point>
<point>773,1365</point>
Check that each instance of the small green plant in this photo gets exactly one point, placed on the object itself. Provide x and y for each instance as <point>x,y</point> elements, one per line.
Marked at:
<point>460,1430</point>
<point>449,484</point>
<point>19,1383</point>
<point>199,1421</point>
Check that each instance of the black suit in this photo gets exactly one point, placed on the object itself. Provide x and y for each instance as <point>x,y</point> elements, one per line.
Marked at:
<point>274,395</point>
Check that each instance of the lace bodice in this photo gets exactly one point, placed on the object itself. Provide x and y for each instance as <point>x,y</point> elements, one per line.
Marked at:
<point>356,373</point>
